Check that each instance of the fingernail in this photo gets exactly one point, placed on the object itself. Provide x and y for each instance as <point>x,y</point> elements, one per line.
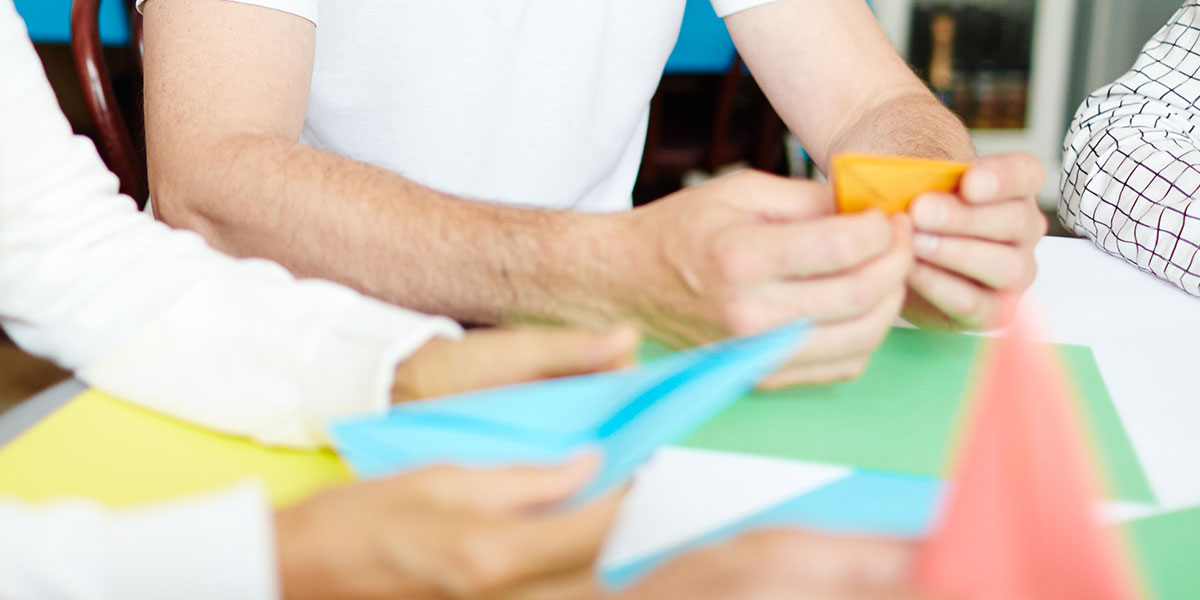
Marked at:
<point>925,244</point>
<point>930,213</point>
<point>980,186</point>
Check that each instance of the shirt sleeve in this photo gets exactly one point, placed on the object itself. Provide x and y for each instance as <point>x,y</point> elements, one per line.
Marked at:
<point>220,545</point>
<point>306,9</point>
<point>725,8</point>
<point>1131,179</point>
<point>157,317</point>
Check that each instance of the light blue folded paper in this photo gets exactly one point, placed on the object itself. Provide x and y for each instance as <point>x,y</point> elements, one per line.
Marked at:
<point>625,415</point>
<point>866,502</point>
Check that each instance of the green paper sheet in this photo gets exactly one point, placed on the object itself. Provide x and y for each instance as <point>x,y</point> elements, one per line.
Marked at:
<point>1166,548</point>
<point>903,413</point>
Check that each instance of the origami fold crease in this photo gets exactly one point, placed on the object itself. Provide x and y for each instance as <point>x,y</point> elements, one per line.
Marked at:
<point>890,183</point>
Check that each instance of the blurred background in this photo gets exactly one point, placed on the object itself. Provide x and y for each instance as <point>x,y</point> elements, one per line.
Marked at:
<point>1014,70</point>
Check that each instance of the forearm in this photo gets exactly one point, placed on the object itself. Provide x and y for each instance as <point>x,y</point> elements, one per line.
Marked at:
<point>336,218</point>
<point>856,96</point>
<point>156,316</point>
<point>912,124</point>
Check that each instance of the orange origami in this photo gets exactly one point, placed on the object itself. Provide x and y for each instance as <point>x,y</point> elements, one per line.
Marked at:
<point>1019,523</point>
<point>890,183</point>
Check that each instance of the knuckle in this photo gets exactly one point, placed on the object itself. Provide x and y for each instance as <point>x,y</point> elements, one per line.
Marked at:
<point>860,294</point>
<point>856,367</point>
<point>1041,225</point>
<point>1031,271</point>
<point>841,248</point>
<point>743,176</point>
<point>975,309</point>
<point>741,316</point>
<point>1012,275</point>
<point>734,261</point>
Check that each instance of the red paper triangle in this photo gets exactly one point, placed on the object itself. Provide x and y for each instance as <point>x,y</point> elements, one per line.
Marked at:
<point>1019,523</point>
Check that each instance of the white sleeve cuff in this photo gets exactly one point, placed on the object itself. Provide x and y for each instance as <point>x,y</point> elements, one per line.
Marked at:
<point>305,9</point>
<point>725,8</point>
<point>220,545</point>
<point>251,351</point>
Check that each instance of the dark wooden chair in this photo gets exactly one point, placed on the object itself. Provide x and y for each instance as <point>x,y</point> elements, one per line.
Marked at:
<point>672,158</point>
<point>122,147</point>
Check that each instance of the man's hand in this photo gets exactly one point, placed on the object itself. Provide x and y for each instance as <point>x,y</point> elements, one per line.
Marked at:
<point>493,357</point>
<point>750,251</point>
<point>976,249</point>
<point>784,565</point>
<point>441,533</point>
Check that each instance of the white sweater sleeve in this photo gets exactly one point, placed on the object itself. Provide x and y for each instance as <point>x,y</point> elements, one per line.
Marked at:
<point>1131,180</point>
<point>219,545</point>
<point>157,317</point>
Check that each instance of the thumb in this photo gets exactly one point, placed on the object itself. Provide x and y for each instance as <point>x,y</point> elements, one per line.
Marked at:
<point>502,490</point>
<point>776,198</point>
<point>495,357</point>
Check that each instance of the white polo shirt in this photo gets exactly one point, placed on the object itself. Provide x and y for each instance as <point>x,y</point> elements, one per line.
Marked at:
<point>540,103</point>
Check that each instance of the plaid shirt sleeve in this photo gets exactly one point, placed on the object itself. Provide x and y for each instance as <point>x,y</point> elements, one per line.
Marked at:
<point>1131,178</point>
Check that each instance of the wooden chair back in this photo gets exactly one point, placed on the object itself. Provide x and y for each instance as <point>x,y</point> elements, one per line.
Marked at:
<point>121,146</point>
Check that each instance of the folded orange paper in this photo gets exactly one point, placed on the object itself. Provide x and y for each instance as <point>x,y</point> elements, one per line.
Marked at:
<point>890,183</point>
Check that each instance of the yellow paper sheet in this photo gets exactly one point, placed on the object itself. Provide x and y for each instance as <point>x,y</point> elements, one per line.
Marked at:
<point>890,183</point>
<point>101,448</point>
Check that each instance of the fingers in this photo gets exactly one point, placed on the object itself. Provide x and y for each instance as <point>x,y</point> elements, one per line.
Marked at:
<point>534,353</point>
<point>501,491</point>
<point>839,351</point>
<point>969,305</point>
<point>784,564</point>
<point>554,544</point>
<point>847,295</point>
<point>1002,177</point>
<point>1013,221</point>
<point>494,357</point>
<point>580,584</point>
<point>803,249</point>
<point>833,563</point>
<point>815,374</point>
<point>776,198</point>
<point>998,266</point>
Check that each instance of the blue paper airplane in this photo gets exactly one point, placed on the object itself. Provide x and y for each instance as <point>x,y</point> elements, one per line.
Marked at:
<point>625,415</point>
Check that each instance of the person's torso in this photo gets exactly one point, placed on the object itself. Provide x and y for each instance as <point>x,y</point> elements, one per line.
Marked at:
<point>525,102</point>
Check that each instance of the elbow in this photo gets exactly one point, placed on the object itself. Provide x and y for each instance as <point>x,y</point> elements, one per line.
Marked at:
<point>176,205</point>
<point>179,198</point>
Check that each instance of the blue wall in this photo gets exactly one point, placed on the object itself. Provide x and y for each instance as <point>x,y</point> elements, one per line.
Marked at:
<point>49,21</point>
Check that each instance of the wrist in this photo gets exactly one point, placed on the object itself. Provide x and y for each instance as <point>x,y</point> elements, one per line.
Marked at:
<point>586,266</point>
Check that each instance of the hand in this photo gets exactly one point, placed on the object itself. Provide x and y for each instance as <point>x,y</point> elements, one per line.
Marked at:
<point>492,357</point>
<point>441,533</point>
<point>750,251</point>
<point>784,565</point>
<point>975,250</point>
